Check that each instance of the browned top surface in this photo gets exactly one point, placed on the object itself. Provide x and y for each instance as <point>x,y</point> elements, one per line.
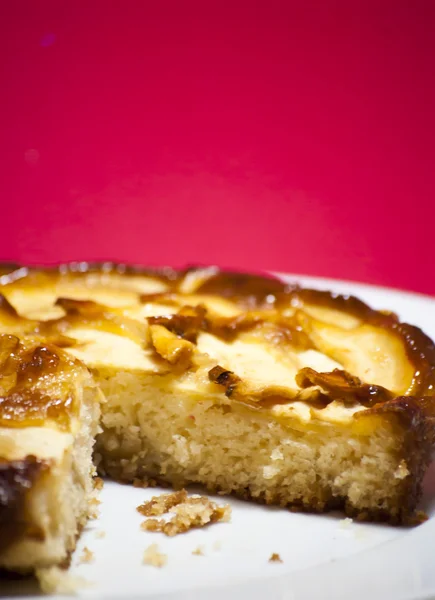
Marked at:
<point>266,309</point>
<point>36,383</point>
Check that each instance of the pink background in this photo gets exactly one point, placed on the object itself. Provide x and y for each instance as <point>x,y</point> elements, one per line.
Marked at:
<point>293,136</point>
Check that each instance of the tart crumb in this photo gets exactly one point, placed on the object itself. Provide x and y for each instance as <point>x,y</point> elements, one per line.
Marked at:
<point>159,505</point>
<point>152,556</point>
<point>217,545</point>
<point>100,534</point>
<point>86,557</point>
<point>199,551</point>
<point>275,558</point>
<point>98,483</point>
<point>94,511</point>
<point>193,512</point>
<point>153,525</point>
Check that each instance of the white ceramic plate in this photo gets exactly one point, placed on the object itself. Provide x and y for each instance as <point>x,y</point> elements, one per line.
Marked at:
<point>323,556</point>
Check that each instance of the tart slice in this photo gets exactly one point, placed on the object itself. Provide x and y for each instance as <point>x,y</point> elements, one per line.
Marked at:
<point>239,383</point>
<point>49,417</point>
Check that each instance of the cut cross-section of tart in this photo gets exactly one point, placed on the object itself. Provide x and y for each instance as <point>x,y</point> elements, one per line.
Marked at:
<point>49,417</point>
<point>239,383</point>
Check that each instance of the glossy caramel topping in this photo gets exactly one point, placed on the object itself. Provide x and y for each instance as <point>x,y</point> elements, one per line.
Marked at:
<point>36,383</point>
<point>225,378</point>
<point>248,290</point>
<point>181,315</point>
<point>186,323</point>
<point>95,316</point>
<point>170,347</point>
<point>340,385</point>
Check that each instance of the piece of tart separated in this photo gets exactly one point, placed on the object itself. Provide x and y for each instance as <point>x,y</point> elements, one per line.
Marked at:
<point>49,417</point>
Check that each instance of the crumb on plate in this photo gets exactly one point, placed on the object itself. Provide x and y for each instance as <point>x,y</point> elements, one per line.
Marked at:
<point>94,511</point>
<point>100,534</point>
<point>275,557</point>
<point>87,556</point>
<point>159,505</point>
<point>193,512</point>
<point>152,556</point>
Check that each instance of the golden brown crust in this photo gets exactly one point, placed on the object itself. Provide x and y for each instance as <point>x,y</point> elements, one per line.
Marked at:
<point>404,513</point>
<point>16,479</point>
<point>417,416</point>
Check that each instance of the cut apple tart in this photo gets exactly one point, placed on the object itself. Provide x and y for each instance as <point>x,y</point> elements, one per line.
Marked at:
<point>243,384</point>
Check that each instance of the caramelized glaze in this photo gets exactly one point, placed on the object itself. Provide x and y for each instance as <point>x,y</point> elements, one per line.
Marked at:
<point>248,290</point>
<point>186,323</point>
<point>87,313</point>
<point>270,311</point>
<point>342,386</point>
<point>35,383</point>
